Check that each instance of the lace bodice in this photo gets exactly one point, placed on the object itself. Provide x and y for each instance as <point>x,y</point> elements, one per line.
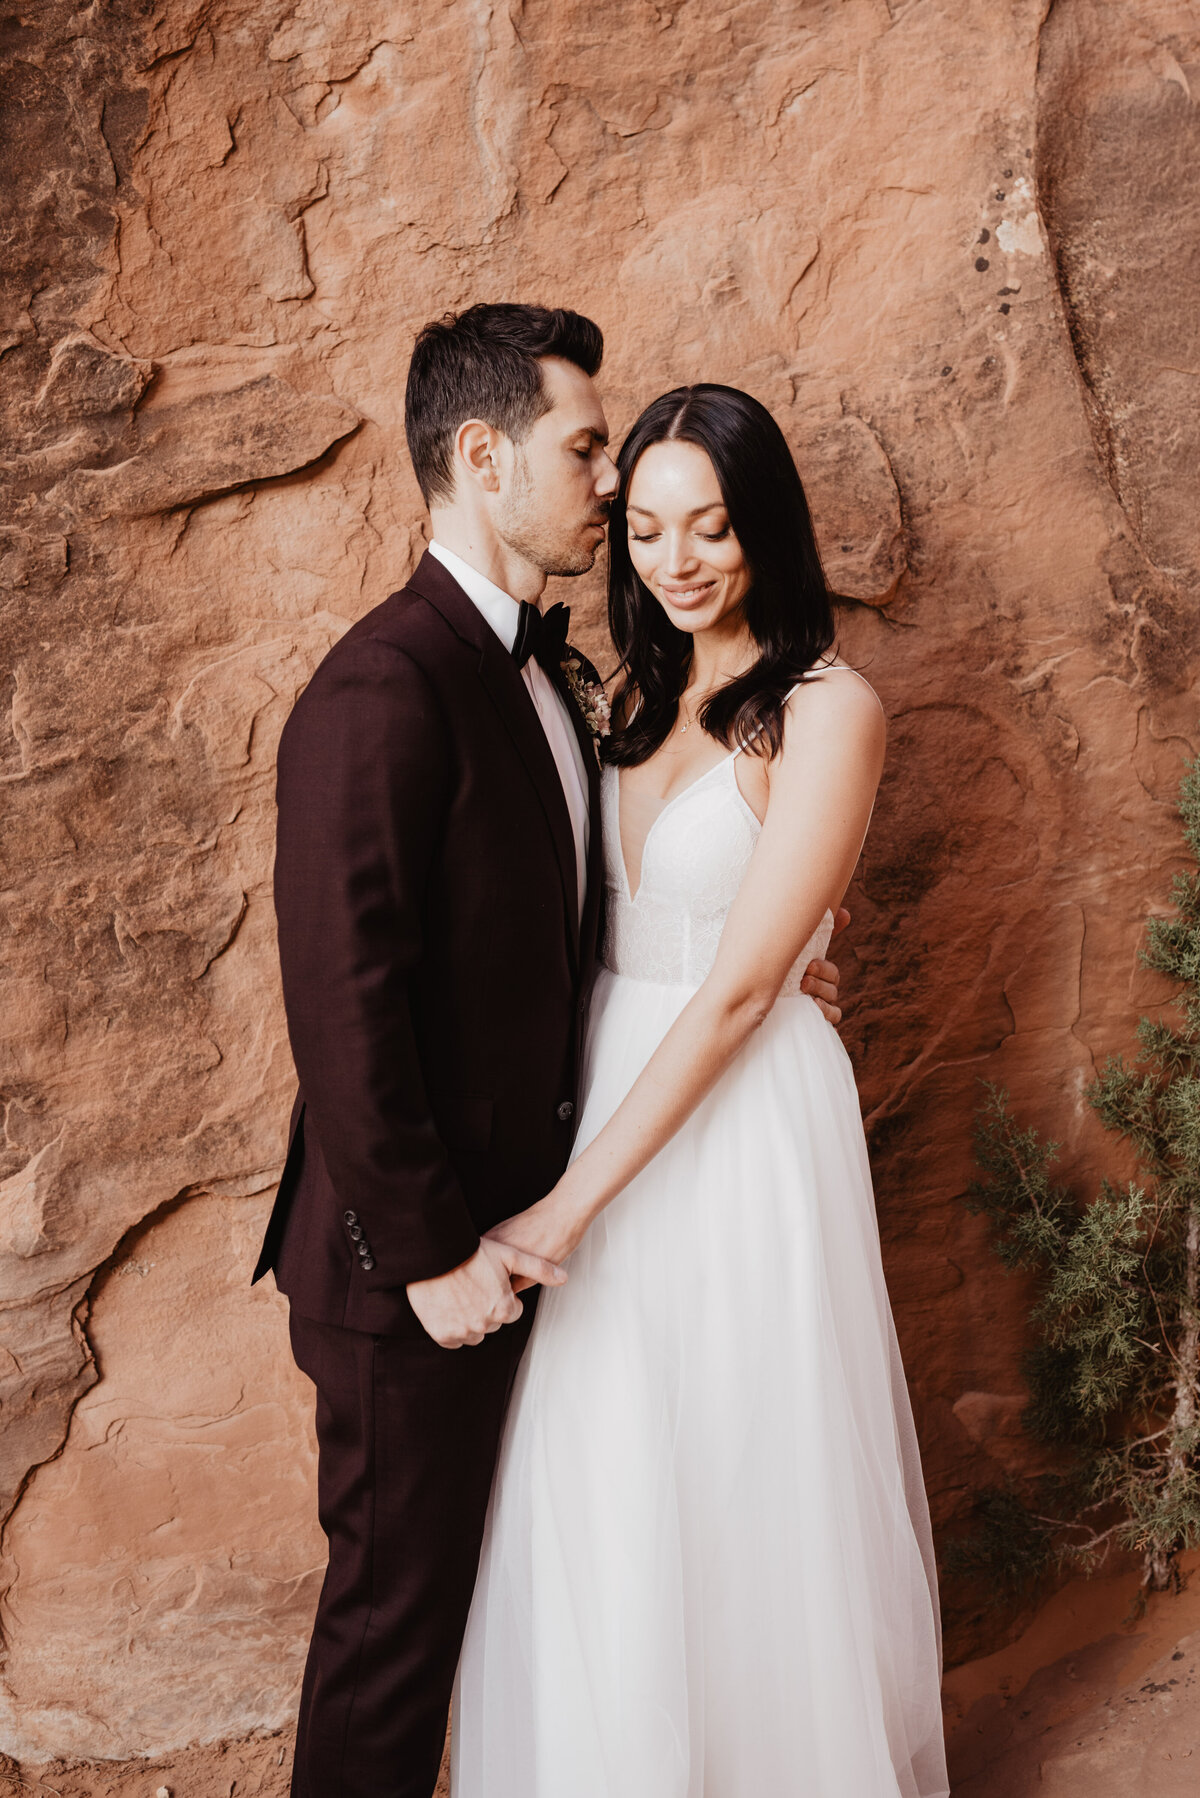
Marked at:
<point>693,861</point>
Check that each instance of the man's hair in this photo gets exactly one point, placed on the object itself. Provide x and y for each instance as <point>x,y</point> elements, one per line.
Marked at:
<point>485,363</point>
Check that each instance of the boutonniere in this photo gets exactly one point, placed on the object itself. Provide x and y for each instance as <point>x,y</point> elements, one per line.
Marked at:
<point>590,697</point>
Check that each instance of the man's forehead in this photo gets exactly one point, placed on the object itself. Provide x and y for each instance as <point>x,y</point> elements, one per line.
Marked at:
<point>575,404</point>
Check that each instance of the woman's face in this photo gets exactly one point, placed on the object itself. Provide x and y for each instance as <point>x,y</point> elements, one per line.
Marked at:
<point>680,540</point>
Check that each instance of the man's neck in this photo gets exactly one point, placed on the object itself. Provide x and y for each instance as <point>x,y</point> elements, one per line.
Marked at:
<point>487,554</point>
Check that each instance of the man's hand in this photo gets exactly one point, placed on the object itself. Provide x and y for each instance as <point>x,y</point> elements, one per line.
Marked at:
<point>821,978</point>
<point>477,1297</point>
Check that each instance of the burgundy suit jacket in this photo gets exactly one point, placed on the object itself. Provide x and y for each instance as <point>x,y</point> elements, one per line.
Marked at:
<point>435,971</point>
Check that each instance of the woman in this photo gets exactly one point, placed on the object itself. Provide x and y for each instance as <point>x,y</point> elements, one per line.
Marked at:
<point>708,1570</point>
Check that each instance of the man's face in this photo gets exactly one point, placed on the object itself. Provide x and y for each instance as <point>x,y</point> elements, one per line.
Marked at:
<point>554,502</point>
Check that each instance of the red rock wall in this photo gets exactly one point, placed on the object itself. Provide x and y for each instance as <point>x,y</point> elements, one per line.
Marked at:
<point>954,246</point>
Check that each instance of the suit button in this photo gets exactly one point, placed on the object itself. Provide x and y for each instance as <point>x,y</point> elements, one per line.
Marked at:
<point>364,1249</point>
<point>566,1110</point>
<point>368,1263</point>
<point>349,1217</point>
<point>355,1231</point>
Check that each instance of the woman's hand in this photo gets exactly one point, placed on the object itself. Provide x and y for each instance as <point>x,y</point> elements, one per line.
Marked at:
<point>552,1228</point>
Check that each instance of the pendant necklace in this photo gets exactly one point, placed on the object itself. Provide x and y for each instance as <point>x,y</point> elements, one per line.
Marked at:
<point>683,712</point>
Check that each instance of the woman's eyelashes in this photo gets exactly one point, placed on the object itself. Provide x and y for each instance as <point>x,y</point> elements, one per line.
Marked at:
<point>708,536</point>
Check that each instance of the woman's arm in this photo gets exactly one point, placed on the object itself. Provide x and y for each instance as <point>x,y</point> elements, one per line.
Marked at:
<point>821,787</point>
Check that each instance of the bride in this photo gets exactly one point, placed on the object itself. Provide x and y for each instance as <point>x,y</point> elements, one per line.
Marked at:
<point>708,1570</point>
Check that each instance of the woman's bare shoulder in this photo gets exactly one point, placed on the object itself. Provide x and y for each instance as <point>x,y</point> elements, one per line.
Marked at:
<point>834,728</point>
<point>835,691</point>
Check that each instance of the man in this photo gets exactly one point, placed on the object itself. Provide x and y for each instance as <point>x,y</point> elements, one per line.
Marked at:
<point>438,889</point>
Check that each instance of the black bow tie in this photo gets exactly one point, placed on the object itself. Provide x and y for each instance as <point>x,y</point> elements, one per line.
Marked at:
<point>542,635</point>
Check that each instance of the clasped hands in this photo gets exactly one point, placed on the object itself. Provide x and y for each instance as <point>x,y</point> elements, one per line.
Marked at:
<point>479,1296</point>
<point>459,1308</point>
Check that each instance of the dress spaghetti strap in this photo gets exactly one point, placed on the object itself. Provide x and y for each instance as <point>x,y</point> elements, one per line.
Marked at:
<point>836,668</point>
<point>758,732</point>
<point>818,668</point>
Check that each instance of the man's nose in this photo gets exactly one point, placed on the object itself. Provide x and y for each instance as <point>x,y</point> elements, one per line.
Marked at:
<point>607,482</point>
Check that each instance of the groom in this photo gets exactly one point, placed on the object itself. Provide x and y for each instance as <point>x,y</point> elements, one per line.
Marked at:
<point>438,887</point>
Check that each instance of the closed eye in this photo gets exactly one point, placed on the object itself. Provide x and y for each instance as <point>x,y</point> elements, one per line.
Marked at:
<point>708,536</point>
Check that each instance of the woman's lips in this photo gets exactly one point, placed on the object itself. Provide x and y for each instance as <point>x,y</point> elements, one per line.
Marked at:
<point>683,597</point>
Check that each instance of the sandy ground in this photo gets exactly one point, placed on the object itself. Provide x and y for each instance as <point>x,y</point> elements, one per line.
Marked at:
<point>260,1767</point>
<point>1092,1701</point>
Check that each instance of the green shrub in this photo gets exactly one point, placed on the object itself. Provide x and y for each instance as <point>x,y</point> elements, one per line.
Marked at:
<point>1114,1367</point>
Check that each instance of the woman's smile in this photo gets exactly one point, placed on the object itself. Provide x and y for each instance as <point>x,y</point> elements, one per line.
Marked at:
<point>684,595</point>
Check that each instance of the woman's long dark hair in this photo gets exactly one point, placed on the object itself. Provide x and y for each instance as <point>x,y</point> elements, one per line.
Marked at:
<point>787,607</point>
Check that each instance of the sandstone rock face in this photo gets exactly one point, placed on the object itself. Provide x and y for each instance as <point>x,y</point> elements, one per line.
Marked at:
<point>954,248</point>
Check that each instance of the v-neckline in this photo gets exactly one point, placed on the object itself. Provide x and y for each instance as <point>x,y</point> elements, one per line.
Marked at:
<point>630,894</point>
<point>728,757</point>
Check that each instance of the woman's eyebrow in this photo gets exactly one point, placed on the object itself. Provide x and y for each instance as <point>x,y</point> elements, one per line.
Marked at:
<point>715,505</point>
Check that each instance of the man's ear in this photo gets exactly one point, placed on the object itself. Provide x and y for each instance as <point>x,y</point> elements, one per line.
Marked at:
<point>476,453</point>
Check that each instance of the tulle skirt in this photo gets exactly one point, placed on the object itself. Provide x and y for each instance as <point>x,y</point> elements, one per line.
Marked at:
<point>708,1570</point>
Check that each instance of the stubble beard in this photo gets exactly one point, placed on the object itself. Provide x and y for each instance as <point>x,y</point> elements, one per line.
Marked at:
<point>527,531</point>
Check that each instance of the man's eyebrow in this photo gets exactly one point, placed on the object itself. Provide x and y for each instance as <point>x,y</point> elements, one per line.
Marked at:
<point>591,431</point>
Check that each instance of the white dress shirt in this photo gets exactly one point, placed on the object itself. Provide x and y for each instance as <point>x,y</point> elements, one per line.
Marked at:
<point>503,614</point>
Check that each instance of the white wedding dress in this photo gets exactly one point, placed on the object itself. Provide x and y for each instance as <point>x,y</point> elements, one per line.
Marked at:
<point>708,1570</point>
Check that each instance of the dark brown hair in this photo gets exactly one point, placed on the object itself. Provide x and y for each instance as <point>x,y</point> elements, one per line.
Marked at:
<point>485,363</point>
<point>788,606</point>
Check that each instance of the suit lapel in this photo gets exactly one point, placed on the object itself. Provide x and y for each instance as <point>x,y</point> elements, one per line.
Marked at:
<point>511,698</point>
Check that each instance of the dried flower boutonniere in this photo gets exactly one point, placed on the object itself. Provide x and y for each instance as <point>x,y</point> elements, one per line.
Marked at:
<point>591,699</point>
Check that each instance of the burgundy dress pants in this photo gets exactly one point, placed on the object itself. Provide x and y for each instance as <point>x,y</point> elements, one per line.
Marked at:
<point>407,1437</point>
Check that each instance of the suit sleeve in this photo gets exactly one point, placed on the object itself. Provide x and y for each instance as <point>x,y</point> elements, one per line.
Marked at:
<point>364,781</point>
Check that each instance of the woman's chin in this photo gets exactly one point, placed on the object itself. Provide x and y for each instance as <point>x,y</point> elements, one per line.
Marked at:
<point>694,620</point>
